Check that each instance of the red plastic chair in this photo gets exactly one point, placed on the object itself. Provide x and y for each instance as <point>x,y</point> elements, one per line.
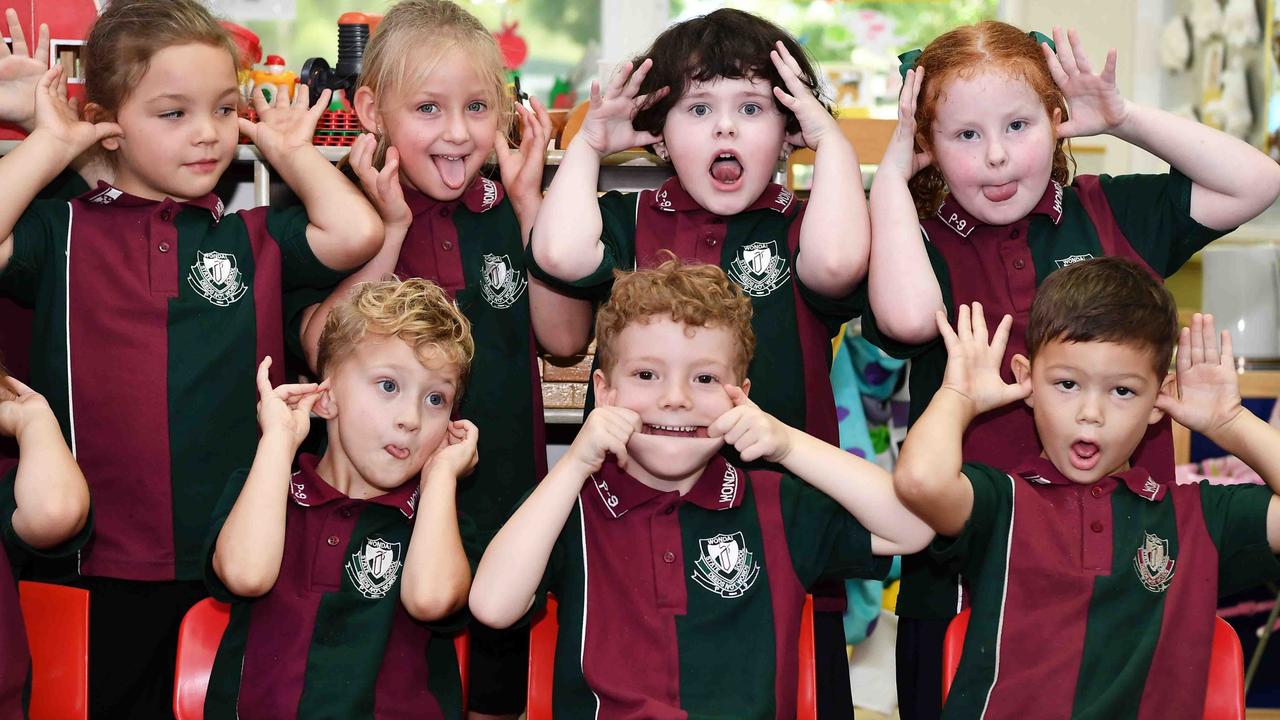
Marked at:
<point>198,640</point>
<point>1224,699</point>
<point>57,622</point>
<point>542,660</point>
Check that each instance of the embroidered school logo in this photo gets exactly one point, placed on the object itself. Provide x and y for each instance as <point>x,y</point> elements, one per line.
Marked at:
<point>725,567</point>
<point>1153,564</point>
<point>759,269</point>
<point>215,276</point>
<point>503,284</point>
<point>1150,489</point>
<point>1072,260</point>
<point>490,193</point>
<point>374,568</point>
<point>106,197</point>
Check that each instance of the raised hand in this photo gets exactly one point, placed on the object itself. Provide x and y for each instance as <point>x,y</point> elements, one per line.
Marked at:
<point>607,126</point>
<point>58,117</point>
<point>816,123</point>
<point>19,406</point>
<point>1095,103</point>
<point>382,187</point>
<point>754,433</point>
<point>456,455</point>
<point>1208,388</point>
<point>284,125</point>
<point>522,171</point>
<point>900,156</point>
<point>973,359</point>
<point>20,72</point>
<point>606,430</point>
<point>287,408</point>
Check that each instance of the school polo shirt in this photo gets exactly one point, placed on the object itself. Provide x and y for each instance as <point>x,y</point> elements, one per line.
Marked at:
<point>151,318</point>
<point>1098,600</point>
<point>472,248</point>
<point>757,248</point>
<point>1145,218</point>
<point>332,638</point>
<point>15,556</point>
<point>675,607</point>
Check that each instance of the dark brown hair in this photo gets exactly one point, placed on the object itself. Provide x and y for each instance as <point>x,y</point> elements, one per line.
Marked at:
<point>964,52</point>
<point>727,43</point>
<point>1105,300</point>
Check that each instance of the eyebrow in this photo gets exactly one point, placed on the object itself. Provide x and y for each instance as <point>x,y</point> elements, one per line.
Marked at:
<point>180,97</point>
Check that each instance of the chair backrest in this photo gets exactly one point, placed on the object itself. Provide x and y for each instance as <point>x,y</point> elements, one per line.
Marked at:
<point>542,660</point>
<point>57,623</point>
<point>1224,697</point>
<point>198,639</point>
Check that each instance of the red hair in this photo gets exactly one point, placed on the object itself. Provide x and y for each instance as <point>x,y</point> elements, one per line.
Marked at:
<point>964,52</point>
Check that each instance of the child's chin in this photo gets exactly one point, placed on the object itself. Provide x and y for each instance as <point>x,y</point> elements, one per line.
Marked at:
<point>660,453</point>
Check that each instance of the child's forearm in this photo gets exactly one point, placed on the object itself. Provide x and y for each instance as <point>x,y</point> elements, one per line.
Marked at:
<point>1233,181</point>
<point>250,545</point>
<point>901,284</point>
<point>862,488</point>
<point>566,234</point>
<point>836,235</point>
<point>436,573</point>
<point>561,324</point>
<point>382,264</point>
<point>927,476</point>
<point>513,565</point>
<point>344,230</point>
<point>50,491</point>
<point>24,171</point>
<point>1255,442</point>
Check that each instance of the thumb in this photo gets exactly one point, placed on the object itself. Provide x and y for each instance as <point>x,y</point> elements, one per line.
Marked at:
<point>738,397</point>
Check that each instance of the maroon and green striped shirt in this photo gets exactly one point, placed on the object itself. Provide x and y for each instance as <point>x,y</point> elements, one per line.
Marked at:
<point>1097,600</point>
<point>150,320</point>
<point>332,637</point>
<point>677,606</point>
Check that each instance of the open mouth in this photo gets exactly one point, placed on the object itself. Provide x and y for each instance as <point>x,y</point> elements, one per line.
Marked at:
<point>726,168</point>
<point>452,169</point>
<point>1000,193</point>
<point>1084,454</point>
<point>687,431</point>
<point>397,452</point>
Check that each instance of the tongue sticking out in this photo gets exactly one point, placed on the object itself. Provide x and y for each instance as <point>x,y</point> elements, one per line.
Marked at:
<point>999,193</point>
<point>397,452</point>
<point>726,170</point>
<point>452,172</point>
<point>1084,455</point>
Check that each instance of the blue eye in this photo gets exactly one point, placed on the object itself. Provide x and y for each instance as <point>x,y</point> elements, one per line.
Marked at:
<point>477,107</point>
<point>388,386</point>
<point>436,399</point>
<point>428,108</point>
<point>172,115</point>
<point>700,110</point>
<point>751,109</point>
<point>1018,125</point>
<point>968,135</point>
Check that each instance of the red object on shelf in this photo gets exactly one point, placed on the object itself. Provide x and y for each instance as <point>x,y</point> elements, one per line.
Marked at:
<point>68,22</point>
<point>513,47</point>
<point>335,128</point>
<point>246,42</point>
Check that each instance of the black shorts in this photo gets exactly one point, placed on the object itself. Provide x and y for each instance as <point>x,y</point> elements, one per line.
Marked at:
<point>499,672</point>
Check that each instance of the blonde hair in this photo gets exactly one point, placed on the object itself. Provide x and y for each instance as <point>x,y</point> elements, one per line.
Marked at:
<point>411,40</point>
<point>965,52</point>
<point>129,33</point>
<point>417,311</point>
<point>693,294</point>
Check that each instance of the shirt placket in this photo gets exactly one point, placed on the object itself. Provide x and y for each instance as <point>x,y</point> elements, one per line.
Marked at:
<point>1018,266</point>
<point>668,559</point>
<point>162,250</point>
<point>444,245</point>
<point>1096,530</point>
<point>330,546</point>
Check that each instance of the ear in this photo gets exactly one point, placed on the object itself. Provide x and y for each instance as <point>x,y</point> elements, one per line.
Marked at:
<point>746,386</point>
<point>660,149</point>
<point>327,406</point>
<point>1169,387</point>
<point>1021,367</point>
<point>1056,120</point>
<point>367,109</point>
<point>791,142</point>
<point>604,393</point>
<point>95,113</point>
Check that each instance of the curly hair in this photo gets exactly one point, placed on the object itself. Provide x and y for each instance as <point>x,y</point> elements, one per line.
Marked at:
<point>417,311</point>
<point>410,41</point>
<point>694,294</point>
<point>727,43</point>
<point>128,33</point>
<point>964,52</point>
<point>1106,299</point>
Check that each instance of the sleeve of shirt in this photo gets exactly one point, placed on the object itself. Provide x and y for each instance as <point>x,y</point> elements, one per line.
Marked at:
<point>618,234</point>
<point>871,328</point>
<point>1236,517</point>
<point>228,500</point>
<point>21,553</point>
<point>824,539</point>
<point>34,239</point>
<point>1154,212</point>
<point>991,494</point>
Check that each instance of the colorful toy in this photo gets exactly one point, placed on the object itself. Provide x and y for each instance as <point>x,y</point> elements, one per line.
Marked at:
<point>354,30</point>
<point>274,73</point>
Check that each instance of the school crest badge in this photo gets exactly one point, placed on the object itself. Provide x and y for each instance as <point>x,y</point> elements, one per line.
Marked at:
<point>503,283</point>
<point>759,268</point>
<point>725,566</point>
<point>374,568</point>
<point>1153,564</point>
<point>216,277</point>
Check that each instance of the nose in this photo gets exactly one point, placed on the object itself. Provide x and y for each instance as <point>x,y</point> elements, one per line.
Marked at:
<point>725,126</point>
<point>675,396</point>
<point>996,155</point>
<point>206,131</point>
<point>1089,410</point>
<point>455,129</point>
<point>406,415</point>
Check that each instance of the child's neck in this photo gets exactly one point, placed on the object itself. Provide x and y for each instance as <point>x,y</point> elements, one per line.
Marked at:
<point>336,469</point>
<point>680,485</point>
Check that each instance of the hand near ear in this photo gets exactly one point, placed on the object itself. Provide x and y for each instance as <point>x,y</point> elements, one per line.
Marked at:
<point>286,409</point>
<point>456,456</point>
<point>1207,396</point>
<point>973,360</point>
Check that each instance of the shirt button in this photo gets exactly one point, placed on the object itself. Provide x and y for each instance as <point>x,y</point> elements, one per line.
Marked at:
<point>346,512</point>
<point>1019,264</point>
<point>1015,233</point>
<point>669,557</point>
<point>333,540</point>
<point>444,212</point>
<point>447,244</point>
<point>166,214</point>
<point>670,509</point>
<point>1096,527</point>
<point>1095,491</point>
<point>163,247</point>
<point>711,242</point>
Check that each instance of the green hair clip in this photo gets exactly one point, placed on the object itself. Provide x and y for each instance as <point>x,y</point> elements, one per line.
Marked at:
<point>907,60</point>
